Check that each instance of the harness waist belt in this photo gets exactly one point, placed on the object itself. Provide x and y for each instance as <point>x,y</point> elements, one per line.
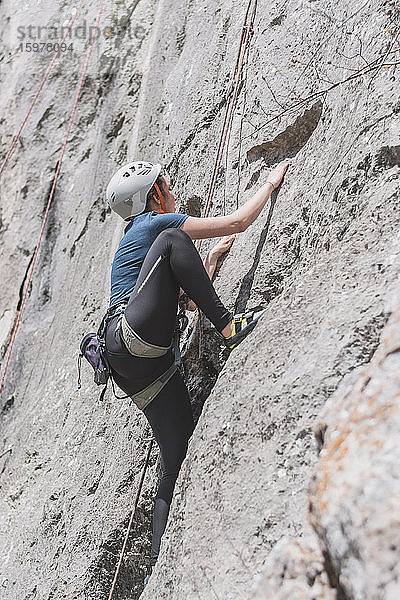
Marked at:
<point>117,308</point>
<point>144,397</point>
<point>138,347</point>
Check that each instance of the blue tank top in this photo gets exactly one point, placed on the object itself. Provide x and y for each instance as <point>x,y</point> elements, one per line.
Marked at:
<point>139,235</point>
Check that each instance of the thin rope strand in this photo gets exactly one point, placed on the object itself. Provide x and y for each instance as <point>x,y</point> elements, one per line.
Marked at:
<point>247,30</point>
<point>18,320</point>
<point>121,556</point>
<point>39,89</point>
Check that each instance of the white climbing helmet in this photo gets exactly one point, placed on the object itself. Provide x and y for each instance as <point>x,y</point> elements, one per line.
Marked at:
<point>127,191</point>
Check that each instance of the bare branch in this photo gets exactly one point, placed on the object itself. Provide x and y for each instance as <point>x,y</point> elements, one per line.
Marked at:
<point>363,71</point>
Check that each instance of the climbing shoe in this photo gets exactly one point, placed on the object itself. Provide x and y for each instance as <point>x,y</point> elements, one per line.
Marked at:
<point>242,325</point>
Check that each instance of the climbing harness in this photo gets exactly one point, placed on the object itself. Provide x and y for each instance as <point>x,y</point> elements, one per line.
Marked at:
<point>135,345</point>
<point>51,195</point>
<point>93,348</point>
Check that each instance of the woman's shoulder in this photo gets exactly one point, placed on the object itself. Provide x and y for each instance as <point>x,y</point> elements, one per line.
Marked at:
<point>171,219</point>
<point>156,220</point>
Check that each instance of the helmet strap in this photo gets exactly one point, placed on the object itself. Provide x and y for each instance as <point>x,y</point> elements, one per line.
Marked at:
<point>159,194</point>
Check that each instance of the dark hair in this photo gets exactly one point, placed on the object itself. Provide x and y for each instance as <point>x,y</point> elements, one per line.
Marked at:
<point>152,193</point>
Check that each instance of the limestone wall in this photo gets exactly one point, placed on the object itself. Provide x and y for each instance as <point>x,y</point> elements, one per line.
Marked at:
<point>323,259</point>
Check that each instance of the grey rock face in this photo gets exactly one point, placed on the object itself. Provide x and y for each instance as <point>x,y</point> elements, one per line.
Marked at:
<point>321,258</point>
<point>355,490</point>
<point>294,570</point>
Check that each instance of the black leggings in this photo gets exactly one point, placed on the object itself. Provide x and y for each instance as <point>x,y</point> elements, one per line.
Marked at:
<point>171,263</point>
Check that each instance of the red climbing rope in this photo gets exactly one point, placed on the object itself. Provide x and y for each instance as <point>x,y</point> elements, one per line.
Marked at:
<point>39,89</point>
<point>247,32</point>
<point>29,276</point>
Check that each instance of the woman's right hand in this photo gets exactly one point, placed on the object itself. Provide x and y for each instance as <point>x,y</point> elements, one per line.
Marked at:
<point>237,221</point>
<point>276,175</point>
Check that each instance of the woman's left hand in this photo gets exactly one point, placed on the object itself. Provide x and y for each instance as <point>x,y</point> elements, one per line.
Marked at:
<point>212,257</point>
<point>222,246</point>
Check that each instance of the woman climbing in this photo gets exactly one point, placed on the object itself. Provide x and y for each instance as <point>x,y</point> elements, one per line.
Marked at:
<point>155,262</point>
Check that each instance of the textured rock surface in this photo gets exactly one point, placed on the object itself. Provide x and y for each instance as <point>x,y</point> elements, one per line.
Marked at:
<point>355,492</point>
<point>321,259</point>
<point>294,570</point>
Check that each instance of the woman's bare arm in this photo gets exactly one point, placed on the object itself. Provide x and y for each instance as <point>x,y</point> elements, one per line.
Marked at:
<point>240,219</point>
